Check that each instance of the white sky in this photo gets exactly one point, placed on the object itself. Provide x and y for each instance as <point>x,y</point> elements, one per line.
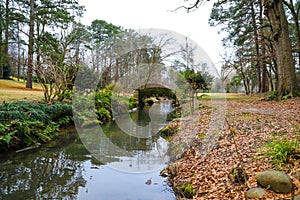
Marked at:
<point>139,14</point>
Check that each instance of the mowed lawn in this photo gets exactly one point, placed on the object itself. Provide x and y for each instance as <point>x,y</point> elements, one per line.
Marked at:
<point>11,90</point>
<point>229,96</point>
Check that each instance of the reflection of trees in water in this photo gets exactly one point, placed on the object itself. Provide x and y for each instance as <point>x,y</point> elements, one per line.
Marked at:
<point>140,117</point>
<point>49,175</point>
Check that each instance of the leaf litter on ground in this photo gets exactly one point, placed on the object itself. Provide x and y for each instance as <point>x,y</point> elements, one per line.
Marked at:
<point>206,165</point>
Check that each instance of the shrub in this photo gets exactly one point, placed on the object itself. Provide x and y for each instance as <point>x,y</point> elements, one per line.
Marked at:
<point>58,110</point>
<point>281,151</point>
<point>34,111</point>
<point>187,191</point>
<point>271,96</point>
<point>27,123</point>
<point>103,104</point>
<point>18,134</point>
<point>132,103</point>
<point>104,114</point>
<point>103,98</point>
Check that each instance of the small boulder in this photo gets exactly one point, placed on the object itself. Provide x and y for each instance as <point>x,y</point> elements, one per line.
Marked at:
<point>297,197</point>
<point>256,193</point>
<point>277,181</point>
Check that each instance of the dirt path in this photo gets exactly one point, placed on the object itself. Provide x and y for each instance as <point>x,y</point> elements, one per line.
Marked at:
<point>205,164</point>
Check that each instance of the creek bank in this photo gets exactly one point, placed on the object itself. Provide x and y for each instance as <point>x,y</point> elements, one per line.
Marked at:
<point>207,174</point>
<point>29,124</point>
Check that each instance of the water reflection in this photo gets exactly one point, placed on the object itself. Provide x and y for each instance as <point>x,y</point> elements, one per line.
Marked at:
<point>122,144</point>
<point>47,173</point>
<point>65,169</point>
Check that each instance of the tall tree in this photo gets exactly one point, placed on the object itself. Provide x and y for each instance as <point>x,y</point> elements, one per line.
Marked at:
<point>42,16</point>
<point>283,48</point>
<point>240,19</point>
<point>4,43</point>
<point>293,13</point>
<point>102,33</point>
<point>277,18</point>
<point>30,44</point>
<point>1,37</point>
<point>58,64</point>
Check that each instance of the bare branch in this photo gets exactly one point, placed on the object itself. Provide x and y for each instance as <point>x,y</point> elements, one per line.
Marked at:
<point>196,5</point>
<point>188,8</point>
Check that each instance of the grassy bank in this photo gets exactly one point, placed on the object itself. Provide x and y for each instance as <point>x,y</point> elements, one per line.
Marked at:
<point>12,90</point>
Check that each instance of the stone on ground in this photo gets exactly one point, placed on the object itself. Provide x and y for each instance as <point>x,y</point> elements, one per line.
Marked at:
<point>277,181</point>
<point>255,193</point>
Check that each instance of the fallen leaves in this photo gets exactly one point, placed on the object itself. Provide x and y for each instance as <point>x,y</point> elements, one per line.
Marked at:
<point>253,123</point>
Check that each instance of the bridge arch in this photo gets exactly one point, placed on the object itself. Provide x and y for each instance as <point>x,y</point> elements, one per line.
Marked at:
<point>153,90</point>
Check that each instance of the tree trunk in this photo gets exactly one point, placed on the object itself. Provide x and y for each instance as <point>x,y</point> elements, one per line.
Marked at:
<point>30,46</point>
<point>283,48</point>
<point>1,47</point>
<point>264,80</point>
<point>5,66</point>
<point>19,53</point>
<point>258,57</point>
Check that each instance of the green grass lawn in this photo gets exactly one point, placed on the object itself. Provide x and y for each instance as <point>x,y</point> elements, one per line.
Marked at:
<point>228,96</point>
<point>12,90</point>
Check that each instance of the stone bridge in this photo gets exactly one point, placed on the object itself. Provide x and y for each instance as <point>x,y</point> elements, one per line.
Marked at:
<point>153,90</point>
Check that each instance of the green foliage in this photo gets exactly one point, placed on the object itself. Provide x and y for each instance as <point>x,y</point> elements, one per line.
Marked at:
<point>103,104</point>
<point>166,132</point>
<point>18,134</point>
<point>195,79</point>
<point>64,121</point>
<point>34,111</point>
<point>169,130</point>
<point>27,123</point>
<point>132,103</point>
<point>281,151</point>
<point>57,111</point>
<point>271,96</point>
<point>104,114</point>
<point>84,109</point>
<point>66,94</point>
<point>87,107</point>
<point>201,96</point>
<point>103,98</point>
<point>187,191</point>
<point>288,96</point>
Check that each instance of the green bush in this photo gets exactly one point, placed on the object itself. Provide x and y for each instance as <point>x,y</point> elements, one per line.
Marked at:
<point>271,96</point>
<point>169,130</point>
<point>27,123</point>
<point>34,111</point>
<point>187,191</point>
<point>281,151</point>
<point>103,104</point>
<point>104,114</point>
<point>103,98</point>
<point>132,103</point>
<point>58,110</point>
<point>18,134</point>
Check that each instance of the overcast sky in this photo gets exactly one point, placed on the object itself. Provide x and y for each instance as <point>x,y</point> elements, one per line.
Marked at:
<point>139,14</point>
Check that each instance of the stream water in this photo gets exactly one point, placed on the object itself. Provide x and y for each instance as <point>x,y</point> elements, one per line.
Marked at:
<point>65,169</point>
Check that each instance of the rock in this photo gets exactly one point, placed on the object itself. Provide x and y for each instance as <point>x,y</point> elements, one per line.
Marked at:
<point>277,181</point>
<point>256,193</point>
<point>297,197</point>
<point>148,182</point>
